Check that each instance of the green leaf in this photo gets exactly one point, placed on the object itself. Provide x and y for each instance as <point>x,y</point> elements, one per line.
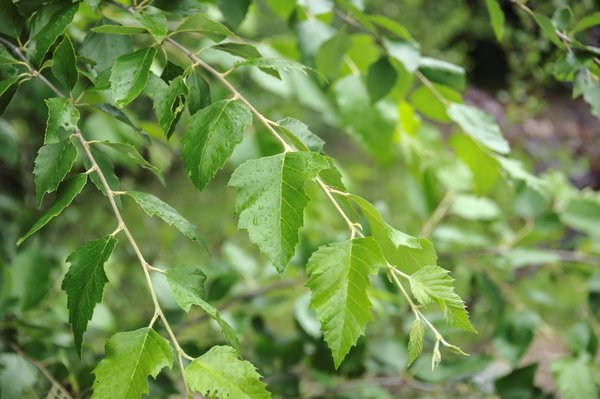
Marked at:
<point>480,126</point>
<point>591,95</point>
<point>496,17</point>
<point>210,28</point>
<point>220,373</point>
<point>30,277</point>
<point>339,281</point>
<point>242,50</point>
<point>119,29</point>
<point>85,281</point>
<point>107,169</point>
<point>169,103</point>
<point>442,72</point>
<point>234,11</point>
<point>582,214</point>
<point>52,164</point>
<point>153,206</point>
<point>66,194</point>
<point>271,200</point>
<point>405,52</point>
<point>475,208</point>
<point>198,92</point>
<point>300,135</point>
<point>156,23</point>
<point>8,88</point>
<point>574,378</point>
<point>64,64</point>
<point>381,79</point>
<point>11,22</point>
<point>17,376</point>
<point>429,105</point>
<point>391,26</point>
<point>404,251</point>
<point>132,153</point>
<point>562,18</point>
<point>130,74</point>
<point>130,358</point>
<point>483,165</point>
<point>55,26</point>
<point>103,48</point>
<point>187,285</point>
<point>273,66</point>
<point>515,170</point>
<point>415,341</point>
<point>587,22</point>
<point>62,120</point>
<point>331,54</point>
<point>213,133</point>
<point>433,284</point>
<point>372,126</point>
<point>119,115</point>
<point>548,29</point>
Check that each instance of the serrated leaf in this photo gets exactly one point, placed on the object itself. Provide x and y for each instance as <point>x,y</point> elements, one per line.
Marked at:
<point>574,378</point>
<point>62,120</point>
<point>153,206</point>
<point>198,93</point>
<point>202,24</point>
<point>300,135</point>
<point>64,64</point>
<point>242,50</point>
<point>271,200</point>
<point>213,133</point>
<point>66,194</point>
<point>56,25</point>
<point>169,103</point>
<point>130,75</point>
<point>132,153</point>
<point>130,358</point>
<point>220,373</point>
<point>404,251</point>
<point>433,284</point>
<point>381,78</point>
<point>52,164</point>
<point>187,285</point>
<point>156,23</point>
<point>339,281</point>
<point>415,341</point>
<point>480,126</point>
<point>85,281</point>
<point>496,17</point>
<point>443,72</point>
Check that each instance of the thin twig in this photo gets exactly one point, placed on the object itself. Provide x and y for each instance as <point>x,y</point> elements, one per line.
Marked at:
<point>43,370</point>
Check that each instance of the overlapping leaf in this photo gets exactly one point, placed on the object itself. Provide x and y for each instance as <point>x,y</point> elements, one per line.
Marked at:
<point>169,103</point>
<point>271,200</point>
<point>220,373</point>
<point>85,281</point>
<point>52,164</point>
<point>187,285</point>
<point>433,284</point>
<point>61,16</point>
<point>339,280</point>
<point>213,133</point>
<point>130,358</point>
<point>130,75</point>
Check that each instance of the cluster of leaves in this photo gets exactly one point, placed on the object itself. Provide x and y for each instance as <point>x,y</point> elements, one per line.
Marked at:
<point>140,54</point>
